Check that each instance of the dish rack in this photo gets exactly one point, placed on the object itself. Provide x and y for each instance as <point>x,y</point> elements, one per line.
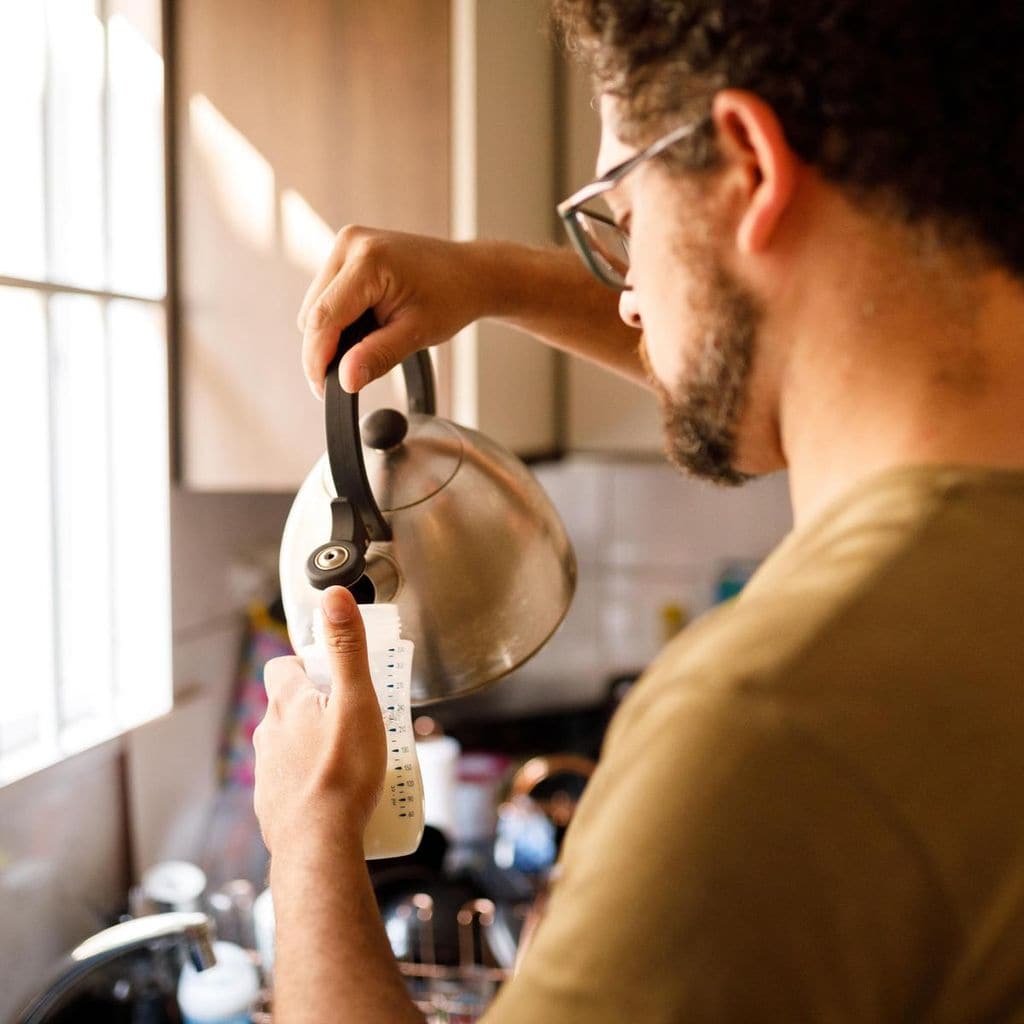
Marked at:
<point>446,994</point>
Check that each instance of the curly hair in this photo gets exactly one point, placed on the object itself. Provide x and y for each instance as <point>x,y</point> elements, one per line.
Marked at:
<point>912,107</point>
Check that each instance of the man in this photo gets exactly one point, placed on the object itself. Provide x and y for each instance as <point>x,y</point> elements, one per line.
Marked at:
<point>807,810</point>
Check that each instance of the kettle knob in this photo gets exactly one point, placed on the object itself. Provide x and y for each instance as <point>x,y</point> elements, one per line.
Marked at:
<point>383,429</point>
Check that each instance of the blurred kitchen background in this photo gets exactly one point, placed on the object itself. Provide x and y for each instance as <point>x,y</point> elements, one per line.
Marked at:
<point>173,175</point>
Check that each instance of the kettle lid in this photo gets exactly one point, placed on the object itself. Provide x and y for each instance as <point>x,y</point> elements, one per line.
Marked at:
<point>421,460</point>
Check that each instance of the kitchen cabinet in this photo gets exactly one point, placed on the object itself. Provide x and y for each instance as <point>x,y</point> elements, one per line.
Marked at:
<point>291,120</point>
<point>602,412</point>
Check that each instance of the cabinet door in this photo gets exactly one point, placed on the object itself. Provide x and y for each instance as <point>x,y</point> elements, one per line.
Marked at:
<point>604,413</point>
<point>291,119</point>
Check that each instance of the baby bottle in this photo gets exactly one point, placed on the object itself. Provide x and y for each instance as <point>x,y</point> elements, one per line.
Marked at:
<point>396,825</point>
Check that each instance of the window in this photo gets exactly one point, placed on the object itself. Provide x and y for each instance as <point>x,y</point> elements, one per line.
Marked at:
<point>84,420</point>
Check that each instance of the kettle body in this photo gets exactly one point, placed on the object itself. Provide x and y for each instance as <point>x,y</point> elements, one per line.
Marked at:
<point>473,552</point>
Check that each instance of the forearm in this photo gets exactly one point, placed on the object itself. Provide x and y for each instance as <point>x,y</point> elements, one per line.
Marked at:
<point>333,961</point>
<point>548,293</point>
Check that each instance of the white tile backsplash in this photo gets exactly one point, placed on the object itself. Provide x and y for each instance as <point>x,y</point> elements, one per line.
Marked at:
<point>633,602</point>
<point>658,516</point>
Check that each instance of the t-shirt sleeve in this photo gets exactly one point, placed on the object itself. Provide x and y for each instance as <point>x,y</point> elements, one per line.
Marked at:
<point>724,867</point>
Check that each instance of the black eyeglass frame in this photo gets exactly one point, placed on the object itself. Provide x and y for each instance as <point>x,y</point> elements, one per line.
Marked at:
<point>569,208</point>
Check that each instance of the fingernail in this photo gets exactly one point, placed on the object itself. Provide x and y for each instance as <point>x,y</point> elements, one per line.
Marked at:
<point>313,387</point>
<point>336,605</point>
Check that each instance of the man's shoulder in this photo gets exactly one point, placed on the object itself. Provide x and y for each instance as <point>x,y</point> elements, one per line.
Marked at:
<point>865,659</point>
<point>900,601</point>
<point>739,653</point>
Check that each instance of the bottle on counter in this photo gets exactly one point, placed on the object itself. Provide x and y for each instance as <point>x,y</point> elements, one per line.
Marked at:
<point>438,757</point>
<point>223,994</point>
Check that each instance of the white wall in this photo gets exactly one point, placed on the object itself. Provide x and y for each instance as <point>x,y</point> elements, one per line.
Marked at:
<point>220,541</point>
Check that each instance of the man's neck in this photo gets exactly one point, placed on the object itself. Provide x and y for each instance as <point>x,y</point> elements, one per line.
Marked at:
<point>913,371</point>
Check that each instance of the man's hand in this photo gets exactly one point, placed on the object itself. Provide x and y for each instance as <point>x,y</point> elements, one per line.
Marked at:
<point>320,758</point>
<point>422,290</point>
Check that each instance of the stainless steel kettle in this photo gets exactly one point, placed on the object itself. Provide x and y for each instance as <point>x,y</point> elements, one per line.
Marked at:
<point>434,517</point>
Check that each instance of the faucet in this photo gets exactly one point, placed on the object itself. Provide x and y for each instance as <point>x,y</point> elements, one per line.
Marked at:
<point>193,929</point>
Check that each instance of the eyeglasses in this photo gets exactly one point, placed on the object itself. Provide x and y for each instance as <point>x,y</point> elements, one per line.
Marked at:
<point>602,244</point>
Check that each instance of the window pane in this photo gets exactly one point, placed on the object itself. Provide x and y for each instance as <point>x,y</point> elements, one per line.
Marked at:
<point>26,607</point>
<point>140,509</point>
<point>22,63</point>
<point>82,506</point>
<point>83,394</point>
<point>75,142</point>
<point>136,160</point>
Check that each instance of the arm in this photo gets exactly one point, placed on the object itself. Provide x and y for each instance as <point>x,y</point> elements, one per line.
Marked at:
<point>425,290</point>
<point>319,767</point>
<point>550,294</point>
<point>332,961</point>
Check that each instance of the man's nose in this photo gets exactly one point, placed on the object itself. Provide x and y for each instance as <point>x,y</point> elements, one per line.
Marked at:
<point>629,310</point>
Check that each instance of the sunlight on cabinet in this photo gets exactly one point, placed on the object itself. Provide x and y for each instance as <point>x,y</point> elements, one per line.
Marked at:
<point>348,123</point>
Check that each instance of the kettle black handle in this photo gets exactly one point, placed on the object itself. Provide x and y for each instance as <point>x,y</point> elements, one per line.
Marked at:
<point>355,518</point>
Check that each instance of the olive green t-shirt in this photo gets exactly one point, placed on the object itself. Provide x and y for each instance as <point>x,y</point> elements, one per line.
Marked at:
<point>811,808</point>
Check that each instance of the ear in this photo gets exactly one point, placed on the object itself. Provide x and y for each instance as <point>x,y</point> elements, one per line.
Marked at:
<point>751,137</point>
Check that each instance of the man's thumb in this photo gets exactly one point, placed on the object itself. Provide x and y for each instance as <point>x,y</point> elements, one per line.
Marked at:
<point>345,640</point>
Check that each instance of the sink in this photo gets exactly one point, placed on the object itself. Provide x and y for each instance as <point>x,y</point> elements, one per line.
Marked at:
<point>127,973</point>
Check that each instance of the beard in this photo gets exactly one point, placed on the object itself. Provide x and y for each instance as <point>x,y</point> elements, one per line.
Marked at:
<point>702,411</point>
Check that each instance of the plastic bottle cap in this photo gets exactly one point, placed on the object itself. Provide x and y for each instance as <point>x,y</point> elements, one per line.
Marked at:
<point>178,883</point>
<point>221,992</point>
